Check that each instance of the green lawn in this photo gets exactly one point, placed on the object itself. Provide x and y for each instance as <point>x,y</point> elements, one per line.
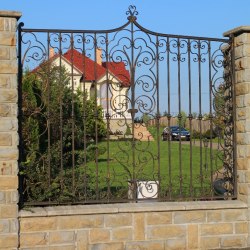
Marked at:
<point>180,169</point>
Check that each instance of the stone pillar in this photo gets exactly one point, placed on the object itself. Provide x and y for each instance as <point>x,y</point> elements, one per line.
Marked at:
<point>8,131</point>
<point>241,38</point>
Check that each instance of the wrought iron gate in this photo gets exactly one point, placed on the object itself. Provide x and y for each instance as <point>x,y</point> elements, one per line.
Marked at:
<point>124,115</point>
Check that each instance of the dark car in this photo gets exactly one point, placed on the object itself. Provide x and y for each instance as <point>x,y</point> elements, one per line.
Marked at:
<point>173,133</point>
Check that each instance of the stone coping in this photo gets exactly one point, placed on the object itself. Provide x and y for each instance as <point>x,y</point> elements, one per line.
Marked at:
<point>10,13</point>
<point>237,31</point>
<point>130,208</point>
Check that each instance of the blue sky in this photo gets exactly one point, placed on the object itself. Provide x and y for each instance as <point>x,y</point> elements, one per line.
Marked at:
<point>208,18</point>
<point>205,18</point>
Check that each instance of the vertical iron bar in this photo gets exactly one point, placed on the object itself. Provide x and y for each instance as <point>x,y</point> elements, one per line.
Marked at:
<point>169,117</point>
<point>158,115</point>
<point>132,70</point>
<point>85,93</point>
<point>61,109</point>
<point>107,116</point>
<point>210,115</point>
<point>190,120</point>
<point>233,82</point>
<point>48,71</point>
<point>200,113</point>
<point>72,112</point>
<point>96,119</point>
<point>179,116</point>
<point>20,116</point>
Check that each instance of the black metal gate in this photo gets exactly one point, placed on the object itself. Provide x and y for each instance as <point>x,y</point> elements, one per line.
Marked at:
<point>124,115</point>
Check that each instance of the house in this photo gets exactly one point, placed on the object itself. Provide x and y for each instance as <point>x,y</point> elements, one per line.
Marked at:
<point>108,81</point>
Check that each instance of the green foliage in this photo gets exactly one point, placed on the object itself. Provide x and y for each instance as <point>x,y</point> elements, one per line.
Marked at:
<point>58,124</point>
<point>182,119</point>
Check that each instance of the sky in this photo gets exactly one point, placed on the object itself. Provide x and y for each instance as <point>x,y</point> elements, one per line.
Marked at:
<point>209,18</point>
<point>204,18</point>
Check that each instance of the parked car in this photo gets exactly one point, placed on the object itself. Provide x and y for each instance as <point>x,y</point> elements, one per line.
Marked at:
<point>173,133</point>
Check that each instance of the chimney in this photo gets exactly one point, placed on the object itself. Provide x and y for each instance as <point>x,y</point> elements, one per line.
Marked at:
<point>99,56</point>
<point>51,52</point>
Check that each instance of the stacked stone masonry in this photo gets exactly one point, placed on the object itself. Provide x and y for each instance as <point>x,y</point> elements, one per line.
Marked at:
<point>186,225</point>
<point>8,131</point>
<point>211,225</point>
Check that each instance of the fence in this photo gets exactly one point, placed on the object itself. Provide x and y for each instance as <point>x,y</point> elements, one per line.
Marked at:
<point>68,78</point>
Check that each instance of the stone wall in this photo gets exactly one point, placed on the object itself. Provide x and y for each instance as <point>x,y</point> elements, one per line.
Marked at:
<point>8,131</point>
<point>152,226</point>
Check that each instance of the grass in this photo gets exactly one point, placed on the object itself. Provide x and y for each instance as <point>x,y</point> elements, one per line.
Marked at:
<point>181,169</point>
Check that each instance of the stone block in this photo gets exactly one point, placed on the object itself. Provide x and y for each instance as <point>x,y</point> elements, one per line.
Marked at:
<point>164,232</point>
<point>9,95</point>
<point>241,227</point>
<point>8,67</point>
<point>234,241</point>
<point>8,124</point>
<point>234,215</point>
<point>80,222</point>
<point>2,197</point>
<point>38,224</point>
<point>241,114</point>
<point>238,76</point>
<point>8,154</point>
<point>239,52</point>
<point>214,216</point>
<point>193,237</point>
<point>107,246</point>
<point>99,235</point>
<point>7,38</point>
<point>1,24</point>
<point>210,242</point>
<point>6,168</point>
<point>10,24</point>
<point>60,247</point>
<point>9,241</point>
<point>241,151</point>
<point>145,245</point>
<point>177,244</point>
<point>243,138</point>
<point>5,53</point>
<point>4,226</point>
<point>216,229</point>
<point>5,139</point>
<point>240,101</point>
<point>122,234</point>
<point>5,81</point>
<point>33,239</point>
<point>159,218</point>
<point>242,164</point>
<point>245,75</point>
<point>139,226</point>
<point>243,189</point>
<point>8,211</point>
<point>189,217</point>
<point>5,110</point>
<point>61,237</point>
<point>82,239</point>
<point>118,221</point>
<point>8,182</point>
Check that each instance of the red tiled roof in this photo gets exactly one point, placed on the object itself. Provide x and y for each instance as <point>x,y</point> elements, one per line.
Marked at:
<point>93,71</point>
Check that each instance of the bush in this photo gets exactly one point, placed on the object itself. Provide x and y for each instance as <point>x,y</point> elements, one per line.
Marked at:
<point>209,135</point>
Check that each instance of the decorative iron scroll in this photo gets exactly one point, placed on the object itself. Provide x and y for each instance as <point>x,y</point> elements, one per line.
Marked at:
<point>92,107</point>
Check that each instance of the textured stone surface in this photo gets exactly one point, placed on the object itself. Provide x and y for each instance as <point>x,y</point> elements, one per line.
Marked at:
<point>8,132</point>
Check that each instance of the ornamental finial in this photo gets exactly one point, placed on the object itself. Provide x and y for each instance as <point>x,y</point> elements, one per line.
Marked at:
<point>132,13</point>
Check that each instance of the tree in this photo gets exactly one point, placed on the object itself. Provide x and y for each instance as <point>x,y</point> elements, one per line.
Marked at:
<point>182,117</point>
<point>57,125</point>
